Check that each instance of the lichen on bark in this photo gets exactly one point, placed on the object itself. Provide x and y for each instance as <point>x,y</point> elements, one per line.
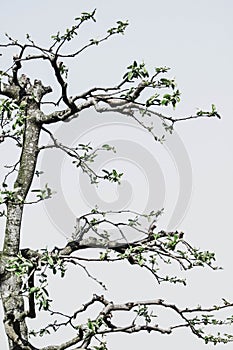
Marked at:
<point>12,299</point>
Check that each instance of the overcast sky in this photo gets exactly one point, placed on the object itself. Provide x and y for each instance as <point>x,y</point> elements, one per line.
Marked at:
<point>194,38</point>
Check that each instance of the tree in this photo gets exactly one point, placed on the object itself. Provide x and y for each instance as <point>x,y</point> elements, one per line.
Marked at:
<point>25,272</point>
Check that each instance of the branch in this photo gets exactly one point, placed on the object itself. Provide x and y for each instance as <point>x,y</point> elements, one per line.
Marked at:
<point>82,155</point>
<point>142,313</point>
<point>120,29</point>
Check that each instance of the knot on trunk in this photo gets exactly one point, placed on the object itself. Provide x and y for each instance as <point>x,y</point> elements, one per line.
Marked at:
<point>22,88</point>
<point>37,90</point>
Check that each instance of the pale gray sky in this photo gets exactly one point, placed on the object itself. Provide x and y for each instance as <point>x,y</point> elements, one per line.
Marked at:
<point>194,38</point>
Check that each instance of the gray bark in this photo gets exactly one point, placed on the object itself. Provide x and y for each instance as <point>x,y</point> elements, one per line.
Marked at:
<point>10,283</point>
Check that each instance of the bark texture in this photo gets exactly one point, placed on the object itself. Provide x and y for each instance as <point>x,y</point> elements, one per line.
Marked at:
<point>10,286</point>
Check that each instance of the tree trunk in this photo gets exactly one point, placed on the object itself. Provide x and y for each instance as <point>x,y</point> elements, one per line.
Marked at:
<point>10,287</point>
